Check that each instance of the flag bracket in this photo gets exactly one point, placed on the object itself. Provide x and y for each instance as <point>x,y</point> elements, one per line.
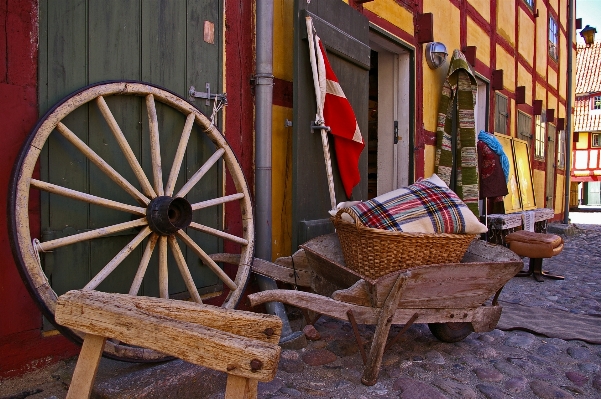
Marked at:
<point>316,126</point>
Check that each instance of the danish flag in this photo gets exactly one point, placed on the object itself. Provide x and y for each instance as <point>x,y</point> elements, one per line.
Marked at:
<point>339,116</point>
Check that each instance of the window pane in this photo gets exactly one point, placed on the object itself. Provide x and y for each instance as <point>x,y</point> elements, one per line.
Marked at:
<point>524,127</point>
<point>553,39</point>
<point>561,150</point>
<point>540,137</point>
<point>501,114</point>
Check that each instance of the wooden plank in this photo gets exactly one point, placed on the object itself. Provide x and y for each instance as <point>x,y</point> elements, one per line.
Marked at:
<point>281,273</point>
<point>240,388</point>
<point>363,314</point>
<point>111,316</point>
<point>113,49</point>
<point>246,324</point>
<point>374,360</point>
<point>86,367</point>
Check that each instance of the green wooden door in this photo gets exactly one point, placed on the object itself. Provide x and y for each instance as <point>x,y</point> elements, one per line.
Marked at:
<point>345,35</point>
<point>156,41</point>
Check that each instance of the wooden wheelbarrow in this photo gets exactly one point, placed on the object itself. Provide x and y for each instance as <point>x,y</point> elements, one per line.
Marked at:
<point>451,298</point>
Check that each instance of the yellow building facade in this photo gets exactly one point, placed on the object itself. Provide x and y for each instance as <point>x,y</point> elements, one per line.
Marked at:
<point>518,50</point>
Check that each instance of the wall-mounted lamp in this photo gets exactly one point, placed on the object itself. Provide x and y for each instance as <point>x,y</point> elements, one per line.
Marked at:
<point>588,34</point>
<point>436,53</point>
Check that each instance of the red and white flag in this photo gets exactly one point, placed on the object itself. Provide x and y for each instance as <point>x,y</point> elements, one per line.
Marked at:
<point>340,117</point>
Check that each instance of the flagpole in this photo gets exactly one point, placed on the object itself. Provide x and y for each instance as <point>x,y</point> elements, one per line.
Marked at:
<point>319,116</point>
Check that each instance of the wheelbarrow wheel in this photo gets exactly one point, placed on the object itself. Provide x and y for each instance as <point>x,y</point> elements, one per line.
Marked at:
<point>451,332</point>
<point>163,214</point>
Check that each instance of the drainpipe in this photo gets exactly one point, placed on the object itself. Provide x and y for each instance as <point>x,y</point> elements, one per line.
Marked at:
<point>566,202</point>
<point>263,102</point>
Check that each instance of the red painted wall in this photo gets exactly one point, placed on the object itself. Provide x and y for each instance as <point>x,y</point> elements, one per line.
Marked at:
<point>22,347</point>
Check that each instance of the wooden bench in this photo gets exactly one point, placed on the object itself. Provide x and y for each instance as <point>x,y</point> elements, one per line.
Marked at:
<point>242,344</point>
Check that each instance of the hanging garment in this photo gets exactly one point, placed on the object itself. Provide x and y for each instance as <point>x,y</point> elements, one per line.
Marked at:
<point>461,84</point>
<point>492,176</point>
<point>493,143</point>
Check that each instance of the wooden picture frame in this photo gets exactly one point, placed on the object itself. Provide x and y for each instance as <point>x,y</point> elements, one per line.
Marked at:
<point>512,201</point>
<point>521,160</point>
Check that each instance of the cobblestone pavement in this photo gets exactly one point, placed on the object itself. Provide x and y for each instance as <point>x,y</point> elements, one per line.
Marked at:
<point>494,365</point>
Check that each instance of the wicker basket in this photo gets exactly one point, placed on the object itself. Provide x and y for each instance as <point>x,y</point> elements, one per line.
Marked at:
<point>374,252</point>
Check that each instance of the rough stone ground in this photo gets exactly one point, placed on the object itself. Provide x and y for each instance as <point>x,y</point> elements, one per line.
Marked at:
<point>498,364</point>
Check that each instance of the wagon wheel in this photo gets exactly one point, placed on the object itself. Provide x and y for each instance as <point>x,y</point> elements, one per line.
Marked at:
<point>160,216</point>
<point>451,332</point>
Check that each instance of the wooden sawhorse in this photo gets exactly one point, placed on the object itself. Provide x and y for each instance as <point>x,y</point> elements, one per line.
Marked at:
<point>242,344</point>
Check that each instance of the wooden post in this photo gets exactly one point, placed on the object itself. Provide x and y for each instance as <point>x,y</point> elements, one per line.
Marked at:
<point>86,367</point>
<point>240,387</point>
<point>372,368</point>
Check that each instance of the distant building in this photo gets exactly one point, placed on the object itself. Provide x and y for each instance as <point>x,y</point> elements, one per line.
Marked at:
<point>586,164</point>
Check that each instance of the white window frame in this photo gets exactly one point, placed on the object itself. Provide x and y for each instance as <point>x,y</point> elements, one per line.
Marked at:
<point>561,149</point>
<point>553,38</point>
<point>540,136</point>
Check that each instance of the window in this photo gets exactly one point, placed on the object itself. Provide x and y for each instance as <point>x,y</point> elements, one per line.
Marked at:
<point>596,102</point>
<point>524,127</point>
<point>530,3</point>
<point>596,140</point>
<point>553,38</point>
<point>541,131</point>
<point>561,149</point>
<point>501,114</point>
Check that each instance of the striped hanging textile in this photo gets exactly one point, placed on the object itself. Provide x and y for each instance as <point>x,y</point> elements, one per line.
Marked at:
<point>460,82</point>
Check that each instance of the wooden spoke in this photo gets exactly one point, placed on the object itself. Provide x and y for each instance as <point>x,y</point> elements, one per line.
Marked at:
<point>207,260</point>
<point>200,173</point>
<point>88,235</point>
<point>112,265</point>
<point>217,201</point>
<point>78,195</point>
<point>183,269</point>
<point>155,145</point>
<point>98,161</point>
<point>135,286</point>
<point>218,233</point>
<point>179,155</point>
<point>127,151</point>
<point>163,270</point>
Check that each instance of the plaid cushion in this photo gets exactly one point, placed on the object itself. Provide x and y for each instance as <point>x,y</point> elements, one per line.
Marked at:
<point>427,206</point>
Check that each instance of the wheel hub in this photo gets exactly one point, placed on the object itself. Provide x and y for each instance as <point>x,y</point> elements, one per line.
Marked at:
<point>166,215</point>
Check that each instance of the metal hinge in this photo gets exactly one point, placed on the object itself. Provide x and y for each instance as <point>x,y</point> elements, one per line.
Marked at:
<point>208,96</point>
<point>396,132</point>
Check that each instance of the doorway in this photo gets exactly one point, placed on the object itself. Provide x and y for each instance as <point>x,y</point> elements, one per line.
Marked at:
<point>390,121</point>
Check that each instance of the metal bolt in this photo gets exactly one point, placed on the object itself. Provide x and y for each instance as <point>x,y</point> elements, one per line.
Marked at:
<point>230,367</point>
<point>256,365</point>
<point>268,332</point>
<point>452,315</point>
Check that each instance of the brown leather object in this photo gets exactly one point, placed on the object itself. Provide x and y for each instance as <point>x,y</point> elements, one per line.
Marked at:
<point>534,245</point>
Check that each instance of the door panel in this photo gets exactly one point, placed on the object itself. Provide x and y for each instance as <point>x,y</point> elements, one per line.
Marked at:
<point>344,33</point>
<point>157,41</point>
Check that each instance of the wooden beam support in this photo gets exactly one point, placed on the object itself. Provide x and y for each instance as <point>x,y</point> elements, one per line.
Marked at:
<point>425,28</point>
<point>537,107</point>
<point>520,95</point>
<point>550,115</point>
<point>497,79</point>
<point>470,54</point>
